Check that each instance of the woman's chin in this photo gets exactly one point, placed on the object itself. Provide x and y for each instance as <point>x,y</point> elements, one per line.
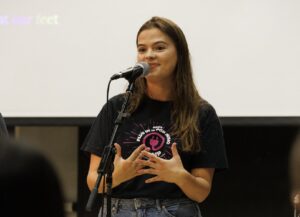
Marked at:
<point>152,77</point>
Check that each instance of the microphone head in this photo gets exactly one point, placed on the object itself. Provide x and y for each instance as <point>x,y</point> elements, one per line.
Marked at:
<point>132,73</point>
<point>145,66</point>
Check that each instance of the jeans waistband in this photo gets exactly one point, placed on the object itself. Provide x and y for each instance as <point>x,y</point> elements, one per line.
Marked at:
<point>137,203</point>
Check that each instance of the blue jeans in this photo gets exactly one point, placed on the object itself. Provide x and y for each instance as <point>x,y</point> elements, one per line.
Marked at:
<point>146,207</point>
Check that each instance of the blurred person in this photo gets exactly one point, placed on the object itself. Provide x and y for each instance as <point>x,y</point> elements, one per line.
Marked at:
<point>3,128</point>
<point>29,186</point>
<point>295,174</point>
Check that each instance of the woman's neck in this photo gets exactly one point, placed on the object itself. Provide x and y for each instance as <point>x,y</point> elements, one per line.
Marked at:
<point>161,92</point>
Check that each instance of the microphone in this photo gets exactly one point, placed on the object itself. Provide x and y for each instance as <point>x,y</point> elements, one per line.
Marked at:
<point>132,73</point>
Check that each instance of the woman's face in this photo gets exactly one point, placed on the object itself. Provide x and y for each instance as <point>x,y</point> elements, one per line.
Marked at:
<point>159,51</point>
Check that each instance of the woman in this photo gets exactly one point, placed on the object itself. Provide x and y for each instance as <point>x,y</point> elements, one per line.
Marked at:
<point>168,149</point>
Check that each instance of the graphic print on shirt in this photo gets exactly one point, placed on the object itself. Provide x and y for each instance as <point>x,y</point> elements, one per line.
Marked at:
<point>153,135</point>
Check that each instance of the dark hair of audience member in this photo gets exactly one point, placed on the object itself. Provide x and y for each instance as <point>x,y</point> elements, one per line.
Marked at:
<point>295,172</point>
<point>28,184</point>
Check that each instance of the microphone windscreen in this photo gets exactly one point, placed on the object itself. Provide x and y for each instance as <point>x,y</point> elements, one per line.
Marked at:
<point>145,67</point>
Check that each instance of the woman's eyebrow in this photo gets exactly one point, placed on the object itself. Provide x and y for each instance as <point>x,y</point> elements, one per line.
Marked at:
<point>155,43</point>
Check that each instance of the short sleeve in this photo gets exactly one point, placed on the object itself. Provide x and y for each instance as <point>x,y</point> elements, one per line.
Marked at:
<point>213,152</point>
<point>99,134</point>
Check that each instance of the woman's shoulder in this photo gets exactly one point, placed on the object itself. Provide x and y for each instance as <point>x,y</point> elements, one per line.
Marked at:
<point>117,98</point>
<point>116,101</point>
<point>206,107</point>
<point>207,111</point>
<point>113,104</point>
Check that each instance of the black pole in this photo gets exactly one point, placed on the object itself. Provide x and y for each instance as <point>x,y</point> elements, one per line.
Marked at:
<point>108,156</point>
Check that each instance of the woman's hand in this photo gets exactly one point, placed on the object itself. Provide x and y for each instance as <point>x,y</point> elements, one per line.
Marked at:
<point>164,170</point>
<point>126,169</point>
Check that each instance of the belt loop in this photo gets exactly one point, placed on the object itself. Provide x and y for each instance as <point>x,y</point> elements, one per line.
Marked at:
<point>117,204</point>
<point>135,203</point>
<point>158,204</point>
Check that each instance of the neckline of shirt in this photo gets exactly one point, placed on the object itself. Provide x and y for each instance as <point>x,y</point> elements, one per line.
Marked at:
<point>147,98</point>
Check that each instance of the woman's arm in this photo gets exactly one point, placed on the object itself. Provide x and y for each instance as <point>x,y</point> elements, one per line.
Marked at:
<point>124,169</point>
<point>196,185</point>
<point>92,174</point>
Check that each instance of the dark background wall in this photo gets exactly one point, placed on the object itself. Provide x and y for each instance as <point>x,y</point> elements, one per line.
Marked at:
<point>256,184</point>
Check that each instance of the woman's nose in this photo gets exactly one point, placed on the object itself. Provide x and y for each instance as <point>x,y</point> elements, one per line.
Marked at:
<point>150,54</point>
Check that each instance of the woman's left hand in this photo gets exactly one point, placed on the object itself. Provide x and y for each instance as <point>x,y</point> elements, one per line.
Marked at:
<point>164,170</point>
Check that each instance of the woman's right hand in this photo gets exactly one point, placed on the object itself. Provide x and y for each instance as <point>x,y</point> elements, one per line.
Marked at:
<point>126,169</point>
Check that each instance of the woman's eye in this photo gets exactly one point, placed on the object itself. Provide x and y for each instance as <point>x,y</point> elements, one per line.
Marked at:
<point>141,50</point>
<point>160,48</point>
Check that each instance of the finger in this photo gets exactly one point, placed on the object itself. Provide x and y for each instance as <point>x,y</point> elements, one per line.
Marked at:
<point>118,150</point>
<point>153,179</point>
<point>136,152</point>
<point>174,149</point>
<point>142,156</point>
<point>147,171</point>
<point>146,163</point>
<point>150,156</point>
<point>138,168</point>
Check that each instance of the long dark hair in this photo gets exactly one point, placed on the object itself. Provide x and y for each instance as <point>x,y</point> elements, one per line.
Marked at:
<point>186,102</point>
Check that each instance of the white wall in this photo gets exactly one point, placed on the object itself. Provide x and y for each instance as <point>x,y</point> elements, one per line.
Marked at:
<point>56,57</point>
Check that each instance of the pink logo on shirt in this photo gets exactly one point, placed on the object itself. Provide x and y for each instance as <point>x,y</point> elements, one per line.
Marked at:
<point>155,140</point>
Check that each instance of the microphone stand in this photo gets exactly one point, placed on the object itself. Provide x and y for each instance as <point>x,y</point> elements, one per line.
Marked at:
<point>106,165</point>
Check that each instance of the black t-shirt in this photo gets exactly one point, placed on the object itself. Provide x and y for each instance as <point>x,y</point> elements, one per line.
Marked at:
<point>150,125</point>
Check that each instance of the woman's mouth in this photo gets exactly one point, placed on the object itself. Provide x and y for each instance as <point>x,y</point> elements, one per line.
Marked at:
<point>153,65</point>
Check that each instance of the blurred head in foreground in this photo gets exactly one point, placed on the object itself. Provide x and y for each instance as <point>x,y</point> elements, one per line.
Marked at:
<point>295,172</point>
<point>28,183</point>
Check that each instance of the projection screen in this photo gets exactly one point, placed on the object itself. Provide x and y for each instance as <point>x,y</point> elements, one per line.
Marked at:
<point>56,57</point>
